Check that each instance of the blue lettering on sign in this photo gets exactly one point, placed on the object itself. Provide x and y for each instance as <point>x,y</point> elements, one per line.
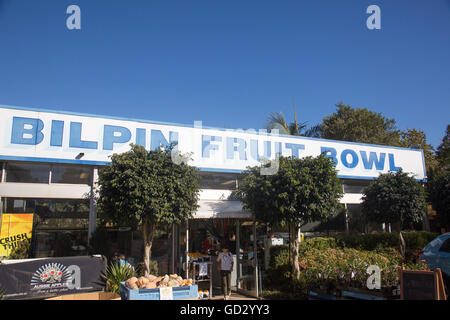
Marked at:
<point>34,131</point>
<point>75,138</point>
<point>140,137</point>
<point>295,147</point>
<point>236,144</point>
<point>392,166</point>
<point>29,131</point>
<point>355,159</point>
<point>329,153</point>
<point>157,139</point>
<point>207,146</point>
<point>368,163</point>
<point>110,137</point>
<point>56,136</point>
<point>278,148</point>
<point>254,152</point>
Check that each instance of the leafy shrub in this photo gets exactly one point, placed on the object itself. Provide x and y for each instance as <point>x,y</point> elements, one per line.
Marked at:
<point>331,268</point>
<point>417,240</point>
<point>279,255</point>
<point>414,240</point>
<point>342,262</point>
<point>319,243</point>
<point>278,282</point>
<point>115,274</point>
<point>369,241</point>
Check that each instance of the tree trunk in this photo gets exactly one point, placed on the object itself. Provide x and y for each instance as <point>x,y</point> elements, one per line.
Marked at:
<point>147,233</point>
<point>295,228</point>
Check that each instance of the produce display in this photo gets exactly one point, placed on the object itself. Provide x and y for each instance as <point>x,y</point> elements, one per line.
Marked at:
<point>152,282</point>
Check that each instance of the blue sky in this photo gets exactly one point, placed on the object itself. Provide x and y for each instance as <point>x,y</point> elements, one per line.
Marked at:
<point>229,63</point>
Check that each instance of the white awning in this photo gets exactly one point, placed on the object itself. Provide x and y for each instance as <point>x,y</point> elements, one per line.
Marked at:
<point>221,209</point>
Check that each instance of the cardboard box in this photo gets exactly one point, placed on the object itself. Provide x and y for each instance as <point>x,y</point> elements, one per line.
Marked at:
<point>99,295</point>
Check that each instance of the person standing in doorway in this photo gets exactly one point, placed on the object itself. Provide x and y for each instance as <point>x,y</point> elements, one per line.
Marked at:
<point>225,266</point>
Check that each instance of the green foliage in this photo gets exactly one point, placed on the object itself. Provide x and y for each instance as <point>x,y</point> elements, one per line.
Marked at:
<point>394,197</point>
<point>360,125</point>
<point>384,243</point>
<point>418,239</point>
<point>319,243</point>
<point>279,255</point>
<point>21,251</point>
<point>278,282</point>
<point>336,223</point>
<point>416,139</point>
<point>443,151</point>
<point>439,196</point>
<point>141,184</point>
<point>331,263</point>
<point>347,267</point>
<point>303,190</point>
<point>147,189</point>
<point>369,241</point>
<point>115,274</point>
<point>276,120</point>
<point>140,268</point>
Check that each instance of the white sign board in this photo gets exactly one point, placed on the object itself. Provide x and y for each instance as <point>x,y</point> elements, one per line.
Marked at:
<point>165,293</point>
<point>49,136</point>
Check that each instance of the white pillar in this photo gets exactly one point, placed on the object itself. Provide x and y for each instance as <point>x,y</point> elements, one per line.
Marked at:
<point>347,230</point>
<point>3,172</point>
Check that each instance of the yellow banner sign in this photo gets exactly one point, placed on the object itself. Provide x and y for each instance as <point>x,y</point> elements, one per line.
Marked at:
<point>15,228</point>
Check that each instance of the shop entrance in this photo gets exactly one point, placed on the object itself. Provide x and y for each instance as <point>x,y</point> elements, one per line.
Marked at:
<point>244,238</point>
<point>249,257</point>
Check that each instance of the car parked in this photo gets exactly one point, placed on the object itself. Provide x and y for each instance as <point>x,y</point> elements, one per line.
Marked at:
<point>436,254</point>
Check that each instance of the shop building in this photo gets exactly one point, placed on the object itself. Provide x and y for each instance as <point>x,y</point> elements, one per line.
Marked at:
<point>49,163</point>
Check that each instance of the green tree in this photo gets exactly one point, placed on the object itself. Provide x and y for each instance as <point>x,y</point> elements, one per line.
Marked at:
<point>416,139</point>
<point>147,189</point>
<point>439,196</point>
<point>443,151</point>
<point>303,190</point>
<point>360,125</point>
<point>394,197</point>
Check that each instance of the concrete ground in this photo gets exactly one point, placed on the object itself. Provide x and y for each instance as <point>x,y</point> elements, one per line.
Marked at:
<point>234,296</point>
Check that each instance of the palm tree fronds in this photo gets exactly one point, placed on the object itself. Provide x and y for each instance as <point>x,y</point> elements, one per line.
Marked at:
<point>276,120</point>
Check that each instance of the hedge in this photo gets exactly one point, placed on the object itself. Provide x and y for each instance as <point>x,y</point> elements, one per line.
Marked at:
<point>336,259</point>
